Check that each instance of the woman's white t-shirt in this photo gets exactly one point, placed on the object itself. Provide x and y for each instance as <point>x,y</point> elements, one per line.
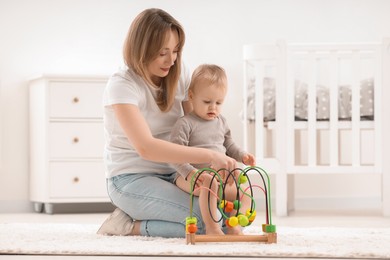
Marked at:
<point>126,87</point>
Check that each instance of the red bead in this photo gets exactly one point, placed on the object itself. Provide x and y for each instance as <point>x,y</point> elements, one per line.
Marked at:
<point>192,228</point>
<point>229,206</point>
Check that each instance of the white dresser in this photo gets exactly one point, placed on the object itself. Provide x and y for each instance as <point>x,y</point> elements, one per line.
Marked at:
<point>66,141</point>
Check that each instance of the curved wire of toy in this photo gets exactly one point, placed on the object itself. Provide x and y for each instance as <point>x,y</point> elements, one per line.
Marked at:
<point>244,172</point>
<point>222,190</point>
<point>253,202</point>
<point>222,193</point>
<point>265,189</point>
<point>239,188</point>
<point>224,186</point>
<point>194,180</point>
<point>231,175</point>
<point>215,195</point>
<point>247,188</point>
<point>251,190</point>
<point>261,171</point>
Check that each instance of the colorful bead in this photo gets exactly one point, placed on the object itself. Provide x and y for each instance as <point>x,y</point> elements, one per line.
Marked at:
<point>191,220</point>
<point>222,204</point>
<point>242,179</point>
<point>192,228</point>
<point>237,204</point>
<point>229,206</point>
<point>233,221</point>
<point>227,223</point>
<point>243,220</point>
<point>251,215</point>
<point>270,228</point>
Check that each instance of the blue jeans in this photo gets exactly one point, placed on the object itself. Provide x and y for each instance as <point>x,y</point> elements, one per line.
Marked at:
<point>156,201</point>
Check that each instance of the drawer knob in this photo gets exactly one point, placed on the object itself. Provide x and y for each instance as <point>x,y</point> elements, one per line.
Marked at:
<point>76,100</point>
<point>76,179</point>
<point>75,140</point>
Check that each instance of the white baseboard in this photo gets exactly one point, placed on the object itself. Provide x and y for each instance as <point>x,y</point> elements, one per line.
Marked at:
<point>7,206</point>
<point>16,206</point>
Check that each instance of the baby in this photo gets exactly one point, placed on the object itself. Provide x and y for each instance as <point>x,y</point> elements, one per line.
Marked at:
<point>206,127</point>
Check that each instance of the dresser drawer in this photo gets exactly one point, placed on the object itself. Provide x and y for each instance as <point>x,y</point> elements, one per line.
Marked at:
<point>66,140</point>
<point>77,180</point>
<point>76,99</point>
<point>76,140</point>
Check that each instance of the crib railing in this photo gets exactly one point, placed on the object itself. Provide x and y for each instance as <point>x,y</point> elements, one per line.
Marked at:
<point>333,52</point>
<point>282,57</point>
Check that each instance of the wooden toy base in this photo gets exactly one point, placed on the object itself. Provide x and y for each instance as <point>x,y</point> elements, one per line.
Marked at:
<point>268,238</point>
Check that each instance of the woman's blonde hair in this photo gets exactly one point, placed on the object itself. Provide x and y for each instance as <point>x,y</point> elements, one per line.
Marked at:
<point>212,74</point>
<point>143,43</point>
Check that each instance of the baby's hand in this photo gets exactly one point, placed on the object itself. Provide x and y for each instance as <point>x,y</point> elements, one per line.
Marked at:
<point>249,159</point>
<point>229,177</point>
<point>191,177</point>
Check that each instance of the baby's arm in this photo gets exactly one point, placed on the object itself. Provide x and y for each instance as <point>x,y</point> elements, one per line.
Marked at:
<point>180,135</point>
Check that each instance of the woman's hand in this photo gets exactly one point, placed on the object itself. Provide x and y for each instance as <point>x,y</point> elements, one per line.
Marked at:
<point>222,161</point>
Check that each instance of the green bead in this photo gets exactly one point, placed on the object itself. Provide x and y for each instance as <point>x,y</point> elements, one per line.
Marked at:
<point>270,228</point>
<point>243,220</point>
<point>236,203</point>
<point>243,179</point>
<point>191,220</point>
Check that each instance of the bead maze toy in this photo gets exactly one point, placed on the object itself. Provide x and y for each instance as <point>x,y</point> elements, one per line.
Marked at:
<point>225,207</point>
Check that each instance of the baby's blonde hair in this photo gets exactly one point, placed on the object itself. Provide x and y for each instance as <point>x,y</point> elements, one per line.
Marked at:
<point>212,74</point>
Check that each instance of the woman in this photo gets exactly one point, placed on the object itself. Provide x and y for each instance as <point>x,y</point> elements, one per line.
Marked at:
<point>141,105</point>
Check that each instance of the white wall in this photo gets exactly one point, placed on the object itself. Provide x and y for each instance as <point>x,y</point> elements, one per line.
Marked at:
<point>85,37</point>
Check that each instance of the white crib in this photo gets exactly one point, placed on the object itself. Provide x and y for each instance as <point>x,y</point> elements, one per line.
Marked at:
<point>292,137</point>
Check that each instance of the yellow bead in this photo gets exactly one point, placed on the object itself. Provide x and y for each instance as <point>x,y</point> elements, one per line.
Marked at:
<point>222,204</point>
<point>251,214</point>
<point>233,221</point>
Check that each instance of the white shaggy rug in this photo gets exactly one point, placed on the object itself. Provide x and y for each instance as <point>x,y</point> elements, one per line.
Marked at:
<point>81,239</point>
